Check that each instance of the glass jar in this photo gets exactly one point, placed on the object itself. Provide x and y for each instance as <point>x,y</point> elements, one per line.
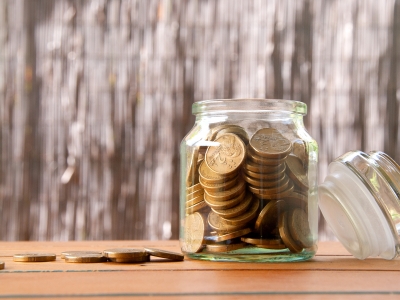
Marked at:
<point>248,184</point>
<point>360,201</point>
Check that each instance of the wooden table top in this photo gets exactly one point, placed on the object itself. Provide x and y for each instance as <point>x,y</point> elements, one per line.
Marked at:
<point>332,274</point>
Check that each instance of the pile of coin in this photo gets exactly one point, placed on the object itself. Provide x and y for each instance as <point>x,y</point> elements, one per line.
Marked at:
<point>253,193</point>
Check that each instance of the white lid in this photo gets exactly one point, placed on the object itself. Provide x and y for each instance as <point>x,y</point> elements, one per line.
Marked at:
<point>355,210</point>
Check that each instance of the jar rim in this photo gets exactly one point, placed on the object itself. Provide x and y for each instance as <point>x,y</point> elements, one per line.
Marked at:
<point>249,104</point>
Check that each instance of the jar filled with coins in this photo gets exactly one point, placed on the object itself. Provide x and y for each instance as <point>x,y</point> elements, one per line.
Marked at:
<point>248,184</point>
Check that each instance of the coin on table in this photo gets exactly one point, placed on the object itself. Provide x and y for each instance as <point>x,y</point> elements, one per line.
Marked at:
<point>85,258</point>
<point>268,142</point>
<point>125,254</point>
<point>286,237</point>
<point>267,219</point>
<point>164,254</point>
<point>217,248</point>
<point>239,131</point>
<point>209,176</point>
<point>2,265</point>
<point>236,210</point>
<point>193,233</point>
<point>225,204</point>
<point>299,227</point>
<point>228,156</point>
<point>249,215</point>
<point>79,252</point>
<point>130,260</point>
<point>296,172</point>
<point>34,257</point>
<point>232,235</point>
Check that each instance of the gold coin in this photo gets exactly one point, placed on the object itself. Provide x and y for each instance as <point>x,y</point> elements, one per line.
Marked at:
<point>232,235</point>
<point>286,236</point>
<point>296,172</point>
<point>249,165</point>
<point>193,188</point>
<point>195,194</point>
<point>246,217</point>
<point>217,248</point>
<point>219,224</point>
<point>252,156</point>
<point>266,176</point>
<point>268,142</point>
<point>2,265</point>
<point>229,194</point>
<point>214,131</point>
<point>85,258</point>
<point>299,227</point>
<point>34,257</point>
<point>261,184</point>
<point>209,176</point>
<point>196,207</point>
<point>194,201</point>
<point>192,173</point>
<point>125,253</point>
<point>296,199</point>
<point>272,247</point>
<point>164,254</point>
<point>273,193</point>
<point>193,233</point>
<point>130,260</point>
<point>228,156</point>
<point>218,187</point>
<point>260,241</point>
<point>236,210</point>
<point>239,131</point>
<point>72,253</point>
<point>225,204</point>
<point>267,220</point>
<point>273,187</point>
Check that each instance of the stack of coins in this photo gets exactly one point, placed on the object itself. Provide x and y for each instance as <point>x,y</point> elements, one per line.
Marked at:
<point>265,165</point>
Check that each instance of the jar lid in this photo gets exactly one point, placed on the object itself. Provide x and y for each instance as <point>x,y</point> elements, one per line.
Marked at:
<point>360,202</point>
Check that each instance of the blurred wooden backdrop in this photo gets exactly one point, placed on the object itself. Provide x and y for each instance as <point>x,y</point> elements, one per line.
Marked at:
<point>95,97</point>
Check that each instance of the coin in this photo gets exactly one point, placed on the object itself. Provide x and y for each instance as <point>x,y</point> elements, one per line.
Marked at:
<point>2,265</point>
<point>269,195</point>
<point>296,199</point>
<point>236,210</point>
<point>193,233</point>
<point>196,207</point>
<point>267,220</point>
<point>130,260</point>
<point>193,188</point>
<point>192,173</point>
<point>164,254</point>
<point>239,131</point>
<point>194,201</point>
<point>34,257</point>
<point>228,194</point>
<point>296,172</point>
<point>252,156</point>
<point>266,176</point>
<point>260,183</point>
<point>85,258</point>
<point>225,204</point>
<point>228,156</point>
<point>232,235</point>
<point>272,247</point>
<point>195,194</point>
<point>268,142</point>
<point>299,227</point>
<point>264,169</point>
<point>219,224</point>
<point>285,234</point>
<point>214,131</point>
<point>125,253</point>
<point>72,253</point>
<point>280,186</point>
<point>209,176</point>
<point>218,187</point>
<point>260,241</point>
<point>217,248</point>
<point>246,217</point>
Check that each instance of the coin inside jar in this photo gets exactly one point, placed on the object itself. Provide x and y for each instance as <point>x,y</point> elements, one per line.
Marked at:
<point>193,233</point>
<point>296,172</point>
<point>269,143</point>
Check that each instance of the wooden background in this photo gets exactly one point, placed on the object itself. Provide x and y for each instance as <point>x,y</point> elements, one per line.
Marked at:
<point>96,95</point>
